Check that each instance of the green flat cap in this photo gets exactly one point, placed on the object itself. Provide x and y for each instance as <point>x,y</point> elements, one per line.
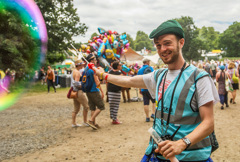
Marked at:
<point>168,27</point>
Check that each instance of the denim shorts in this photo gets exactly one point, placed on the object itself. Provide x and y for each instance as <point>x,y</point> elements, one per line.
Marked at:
<point>147,97</point>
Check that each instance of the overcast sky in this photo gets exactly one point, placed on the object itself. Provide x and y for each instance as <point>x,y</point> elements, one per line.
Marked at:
<point>131,16</point>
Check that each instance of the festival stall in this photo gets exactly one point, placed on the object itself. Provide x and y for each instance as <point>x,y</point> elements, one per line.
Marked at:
<point>131,55</point>
<point>154,58</point>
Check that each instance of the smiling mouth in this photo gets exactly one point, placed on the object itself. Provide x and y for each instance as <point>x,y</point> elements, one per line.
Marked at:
<point>165,54</point>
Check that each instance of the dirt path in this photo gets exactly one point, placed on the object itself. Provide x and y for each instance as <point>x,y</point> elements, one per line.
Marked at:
<point>38,128</point>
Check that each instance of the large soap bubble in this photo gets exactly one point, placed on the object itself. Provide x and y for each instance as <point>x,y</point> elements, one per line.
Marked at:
<point>28,14</point>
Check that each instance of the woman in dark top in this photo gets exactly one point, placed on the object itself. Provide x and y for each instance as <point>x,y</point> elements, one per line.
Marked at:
<point>114,93</point>
<point>221,78</point>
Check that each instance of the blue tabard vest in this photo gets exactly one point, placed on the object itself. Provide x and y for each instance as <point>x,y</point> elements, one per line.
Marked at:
<point>182,114</point>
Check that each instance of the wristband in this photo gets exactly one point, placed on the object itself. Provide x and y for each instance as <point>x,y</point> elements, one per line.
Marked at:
<point>106,77</point>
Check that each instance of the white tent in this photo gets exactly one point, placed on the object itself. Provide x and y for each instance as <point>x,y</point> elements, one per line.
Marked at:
<point>153,58</point>
<point>131,55</point>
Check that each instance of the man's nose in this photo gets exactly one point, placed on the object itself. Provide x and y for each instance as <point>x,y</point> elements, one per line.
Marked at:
<point>163,48</point>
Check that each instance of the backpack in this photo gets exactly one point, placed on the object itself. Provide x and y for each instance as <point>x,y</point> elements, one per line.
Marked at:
<point>86,81</point>
<point>147,70</point>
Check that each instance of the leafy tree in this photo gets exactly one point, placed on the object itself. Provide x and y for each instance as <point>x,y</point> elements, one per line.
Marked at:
<point>131,41</point>
<point>94,35</point>
<point>18,50</point>
<point>210,38</point>
<point>142,41</point>
<point>193,45</point>
<point>62,23</point>
<point>56,57</point>
<point>229,40</point>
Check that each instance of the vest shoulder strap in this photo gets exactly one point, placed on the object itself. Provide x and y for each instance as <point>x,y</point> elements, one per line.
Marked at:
<point>157,73</point>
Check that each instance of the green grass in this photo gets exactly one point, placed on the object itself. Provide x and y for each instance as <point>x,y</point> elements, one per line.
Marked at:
<point>34,87</point>
<point>38,87</point>
<point>230,58</point>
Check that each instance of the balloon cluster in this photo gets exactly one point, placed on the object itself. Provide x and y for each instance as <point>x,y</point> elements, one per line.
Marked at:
<point>108,46</point>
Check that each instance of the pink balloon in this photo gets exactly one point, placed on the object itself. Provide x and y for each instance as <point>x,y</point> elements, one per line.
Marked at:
<point>127,45</point>
<point>99,40</point>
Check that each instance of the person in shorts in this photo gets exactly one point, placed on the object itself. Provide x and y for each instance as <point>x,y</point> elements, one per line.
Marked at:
<point>232,70</point>
<point>145,93</point>
<point>95,99</point>
<point>81,97</point>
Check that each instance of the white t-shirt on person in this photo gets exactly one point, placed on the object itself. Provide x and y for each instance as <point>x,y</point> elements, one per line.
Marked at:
<point>206,89</point>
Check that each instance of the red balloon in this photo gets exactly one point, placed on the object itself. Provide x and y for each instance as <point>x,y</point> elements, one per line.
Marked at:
<point>116,33</point>
<point>110,40</point>
<point>88,51</point>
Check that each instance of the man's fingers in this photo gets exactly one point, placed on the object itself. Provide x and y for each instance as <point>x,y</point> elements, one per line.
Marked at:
<point>168,152</point>
<point>164,146</point>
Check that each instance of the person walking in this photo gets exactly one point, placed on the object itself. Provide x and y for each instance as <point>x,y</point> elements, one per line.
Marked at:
<point>184,99</point>
<point>213,67</point>
<point>145,69</point>
<point>95,99</point>
<point>238,69</point>
<point>126,71</point>
<point>232,71</point>
<point>42,75</point>
<point>81,96</point>
<point>221,77</point>
<point>208,69</point>
<point>50,78</point>
<point>114,93</point>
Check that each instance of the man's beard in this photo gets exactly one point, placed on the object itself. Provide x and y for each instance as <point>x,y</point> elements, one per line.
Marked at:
<point>174,57</point>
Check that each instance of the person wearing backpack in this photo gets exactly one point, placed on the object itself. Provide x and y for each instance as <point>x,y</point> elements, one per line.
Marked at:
<point>91,85</point>
<point>145,69</point>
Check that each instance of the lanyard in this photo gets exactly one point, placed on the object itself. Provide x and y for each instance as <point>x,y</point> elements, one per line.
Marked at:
<point>170,108</point>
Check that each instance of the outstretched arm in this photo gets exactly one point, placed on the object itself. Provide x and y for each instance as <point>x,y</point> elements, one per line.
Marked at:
<point>123,81</point>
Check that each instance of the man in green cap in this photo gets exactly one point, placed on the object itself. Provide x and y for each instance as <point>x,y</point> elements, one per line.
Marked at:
<point>184,96</point>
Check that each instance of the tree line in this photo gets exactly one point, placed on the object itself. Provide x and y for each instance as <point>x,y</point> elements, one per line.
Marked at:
<point>63,23</point>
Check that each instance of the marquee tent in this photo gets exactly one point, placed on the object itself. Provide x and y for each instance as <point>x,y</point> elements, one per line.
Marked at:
<point>131,55</point>
<point>153,58</point>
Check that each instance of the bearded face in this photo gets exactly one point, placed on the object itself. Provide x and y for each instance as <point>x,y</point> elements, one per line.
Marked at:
<point>168,48</point>
<point>170,56</point>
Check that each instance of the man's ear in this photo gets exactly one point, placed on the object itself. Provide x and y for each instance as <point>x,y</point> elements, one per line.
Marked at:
<point>181,42</point>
